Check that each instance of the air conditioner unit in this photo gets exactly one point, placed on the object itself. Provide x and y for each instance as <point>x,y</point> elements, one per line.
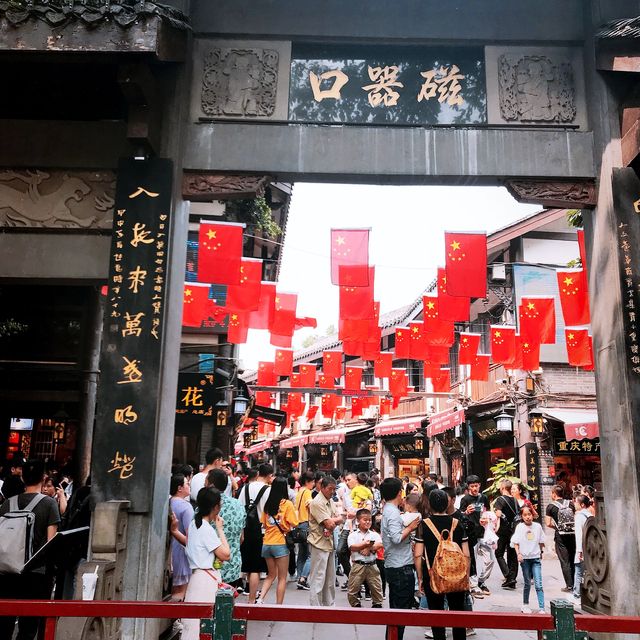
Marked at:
<point>498,272</point>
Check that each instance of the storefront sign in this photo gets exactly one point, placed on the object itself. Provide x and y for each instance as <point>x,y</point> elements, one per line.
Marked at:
<point>334,436</point>
<point>441,422</point>
<point>589,430</point>
<point>395,427</point>
<point>293,443</point>
<point>576,447</point>
<point>533,471</point>
<point>197,395</point>
<point>123,452</point>
<point>258,448</point>
<point>408,449</point>
<point>388,86</point>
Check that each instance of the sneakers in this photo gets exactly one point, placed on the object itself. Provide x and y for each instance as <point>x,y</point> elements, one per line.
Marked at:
<point>302,585</point>
<point>471,632</point>
<point>567,589</point>
<point>429,635</point>
<point>526,609</point>
<point>484,589</point>
<point>339,571</point>
<point>367,597</point>
<point>259,601</point>
<point>509,586</point>
<point>541,611</point>
<point>477,593</point>
<point>376,606</point>
<point>344,587</point>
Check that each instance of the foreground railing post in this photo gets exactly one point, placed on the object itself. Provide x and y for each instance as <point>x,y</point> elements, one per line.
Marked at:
<point>50,628</point>
<point>564,622</point>
<point>222,626</point>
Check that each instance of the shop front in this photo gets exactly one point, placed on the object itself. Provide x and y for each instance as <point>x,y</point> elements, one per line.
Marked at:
<point>575,447</point>
<point>487,445</point>
<point>446,433</point>
<point>405,450</point>
<point>324,450</point>
<point>291,452</point>
<point>359,451</point>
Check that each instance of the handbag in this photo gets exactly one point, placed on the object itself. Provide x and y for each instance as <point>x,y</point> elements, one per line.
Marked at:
<point>297,535</point>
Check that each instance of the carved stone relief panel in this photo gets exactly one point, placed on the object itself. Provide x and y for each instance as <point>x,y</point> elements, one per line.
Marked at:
<point>535,86</point>
<point>572,194</point>
<point>57,199</point>
<point>240,80</point>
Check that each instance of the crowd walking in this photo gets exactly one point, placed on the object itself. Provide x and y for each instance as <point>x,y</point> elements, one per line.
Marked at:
<point>414,544</point>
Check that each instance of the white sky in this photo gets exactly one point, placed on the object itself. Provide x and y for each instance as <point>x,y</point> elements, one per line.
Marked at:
<point>406,243</point>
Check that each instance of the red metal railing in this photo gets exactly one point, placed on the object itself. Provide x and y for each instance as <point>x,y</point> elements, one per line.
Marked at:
<point>230,620</point>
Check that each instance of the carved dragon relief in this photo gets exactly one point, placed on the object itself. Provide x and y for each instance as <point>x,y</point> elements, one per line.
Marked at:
<point>56,199</point>
<point>579,194</point>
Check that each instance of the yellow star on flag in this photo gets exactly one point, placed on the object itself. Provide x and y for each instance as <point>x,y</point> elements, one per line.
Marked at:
<point>568,281</point>
<point>340,240</point>
<point>498,334</point>
<point>571,336</point>
<point>188,293</point>
<point>430,305</point>
<point>211,234</point>
<point>455,245</point>
<point>531,306</point>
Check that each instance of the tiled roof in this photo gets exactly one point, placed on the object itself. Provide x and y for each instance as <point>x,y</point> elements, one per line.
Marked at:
<point>625,28</point>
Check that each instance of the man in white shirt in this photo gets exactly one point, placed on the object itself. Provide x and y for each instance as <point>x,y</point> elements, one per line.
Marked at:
<point>213,459</point>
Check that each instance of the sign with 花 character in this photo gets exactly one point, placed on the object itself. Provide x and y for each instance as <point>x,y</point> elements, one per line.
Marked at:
<point>388,85</point>
<point>197,395</point>
<point>123,451</point>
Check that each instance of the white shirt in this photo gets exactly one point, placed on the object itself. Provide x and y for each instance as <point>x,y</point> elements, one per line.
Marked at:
<point>201,543</point>
<point>197,483</point>
<point>254,490</point>
<point>581,518</point>
<point>529,539</point>
<point>357,537</point>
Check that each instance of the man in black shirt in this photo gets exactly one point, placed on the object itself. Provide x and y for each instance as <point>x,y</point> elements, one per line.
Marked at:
<point>473,505</point>
<point>564,534</point>
<point>36,584</point>
<point>506,509</point>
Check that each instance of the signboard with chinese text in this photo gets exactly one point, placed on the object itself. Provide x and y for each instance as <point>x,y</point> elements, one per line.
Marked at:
<point>533,471</point>
<point>582,447</point>
<point>197,395</point>
<point>388,86</point>
<point>123,445</point>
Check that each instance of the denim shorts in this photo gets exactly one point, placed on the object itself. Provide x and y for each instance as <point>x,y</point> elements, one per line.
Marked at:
<point>274,550</point>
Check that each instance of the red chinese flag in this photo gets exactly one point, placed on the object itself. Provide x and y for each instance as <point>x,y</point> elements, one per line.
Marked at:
<point>353,330</point>
<point>466,264</point>
<point>307,375</point>
<point>356,303</point>
<point>530,353</point>
<point>583,249</point>
<point>578,347</point>
<point>284,314</point>
<point>538,319</point>
<point>264,398</point>
<point>353,378</point>
<point>261,318</point>
<point>352,348</point>
<point>280,341</point>
<point>356,407</point>
<point>398,383</point>
<point>403,343</point>
<point>311,412</point>
<point>332,363</point>
<point>503,344</point>
<point>238,330</point>
<point>468,348</point>
<point>326,382</point>
<point>301,323</point>
<point>382,365</point>
<point>340,413</point>
<point>438,355</point>
<point>326,405</point>
<point>246,295</point>
<point>574,297</point>
<point>350,257</point>
<point>442,381</point>
<point>283,362</point>
<point>295,406</point>
<point>371,348</point>
<point>418,346</point>
<point>219,252</point>
<point>452,308</point>
<point>266,374</point>
<point>295,380</point>
<point>196,305</point>
<point>480,368</point>
<point>385,406</point>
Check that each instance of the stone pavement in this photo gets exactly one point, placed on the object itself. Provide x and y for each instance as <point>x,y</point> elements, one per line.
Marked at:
<point>500,600</point>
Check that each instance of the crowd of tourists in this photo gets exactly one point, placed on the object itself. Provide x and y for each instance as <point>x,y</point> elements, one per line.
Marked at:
<point>422,544</point>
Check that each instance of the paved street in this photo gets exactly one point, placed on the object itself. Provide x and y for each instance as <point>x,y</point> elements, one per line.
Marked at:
<point>500,600</point>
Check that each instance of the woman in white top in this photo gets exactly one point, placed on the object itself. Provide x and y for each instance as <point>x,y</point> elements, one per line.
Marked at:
<point>528,541</point>
<point>205,546</point>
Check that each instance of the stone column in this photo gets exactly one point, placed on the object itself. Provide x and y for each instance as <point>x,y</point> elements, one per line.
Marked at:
<point>620,442</point>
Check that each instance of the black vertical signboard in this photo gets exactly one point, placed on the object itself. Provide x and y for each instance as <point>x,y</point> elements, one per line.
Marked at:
<point>533,472</point>
<point>124,439</point>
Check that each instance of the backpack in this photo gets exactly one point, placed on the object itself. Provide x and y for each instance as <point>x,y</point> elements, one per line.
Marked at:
<point>566,518</point>
<point>16,535</point>
<point>450,570</point>
<point>253,526</point>
<point>508,524</point>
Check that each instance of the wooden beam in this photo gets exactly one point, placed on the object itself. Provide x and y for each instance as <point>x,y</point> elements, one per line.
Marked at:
<point>609,61</point>
<point>630,143</point>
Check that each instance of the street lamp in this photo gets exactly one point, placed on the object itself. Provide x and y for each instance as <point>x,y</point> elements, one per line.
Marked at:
<point>504,422</point>
<point>373,445</point>
<point>240,404</point>
<point>537,422</point>
<point>222,412</point>
<point>418,440</point>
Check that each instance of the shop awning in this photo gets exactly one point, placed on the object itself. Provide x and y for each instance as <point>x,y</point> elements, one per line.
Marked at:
<point>257,448</point>
<point>398,426</point>
<point>441,422</point>
<point>296,441</point>
<point>334,436</point>
<point>238,448</point>
<point>578,423</point>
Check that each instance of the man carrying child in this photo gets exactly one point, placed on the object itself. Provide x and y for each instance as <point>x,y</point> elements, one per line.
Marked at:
<point>364,545</point>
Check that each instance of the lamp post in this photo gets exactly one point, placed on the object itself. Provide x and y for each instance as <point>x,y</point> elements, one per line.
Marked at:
<point>240,404</point>
<point>504,422</point>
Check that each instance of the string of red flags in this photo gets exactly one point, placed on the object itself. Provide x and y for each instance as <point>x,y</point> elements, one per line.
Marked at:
<point>251,303</point>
